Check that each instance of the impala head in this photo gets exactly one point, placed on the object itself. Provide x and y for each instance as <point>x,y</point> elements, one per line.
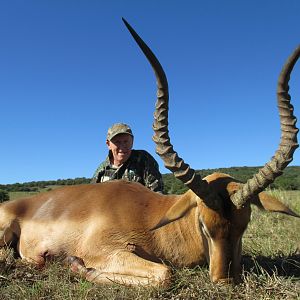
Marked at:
<point>222,202</point>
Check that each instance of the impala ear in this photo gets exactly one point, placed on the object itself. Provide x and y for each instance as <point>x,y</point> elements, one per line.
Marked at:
<point>271,203</point>
<point>177,211</point>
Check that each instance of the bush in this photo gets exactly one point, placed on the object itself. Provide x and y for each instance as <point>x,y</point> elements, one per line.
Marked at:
<point>3,196</point>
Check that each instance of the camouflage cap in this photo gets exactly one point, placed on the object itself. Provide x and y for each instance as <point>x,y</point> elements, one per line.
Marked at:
<point>118,128</point>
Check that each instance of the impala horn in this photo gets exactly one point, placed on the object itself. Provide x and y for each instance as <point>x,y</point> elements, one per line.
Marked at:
<point>164,148</point>
<point>187,175</point>
<point>288,143</point>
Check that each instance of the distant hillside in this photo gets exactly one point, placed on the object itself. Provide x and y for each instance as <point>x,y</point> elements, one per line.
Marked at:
<point>290,180</point>
<point>35,186</point>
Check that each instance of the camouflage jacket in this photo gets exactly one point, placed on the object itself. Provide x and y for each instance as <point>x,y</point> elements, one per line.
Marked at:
<point>140,167</point>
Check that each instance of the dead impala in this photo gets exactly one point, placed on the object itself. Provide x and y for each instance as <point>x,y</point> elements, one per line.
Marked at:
<point>122,232</point>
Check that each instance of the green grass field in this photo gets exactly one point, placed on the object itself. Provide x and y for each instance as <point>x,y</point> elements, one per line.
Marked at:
<point>17,195</point>
<point>271,262</point>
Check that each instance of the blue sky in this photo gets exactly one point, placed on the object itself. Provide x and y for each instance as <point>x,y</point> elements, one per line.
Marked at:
<point>69,69</point>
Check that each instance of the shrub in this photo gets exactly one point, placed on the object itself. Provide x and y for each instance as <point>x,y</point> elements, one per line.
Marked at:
<point>3,196</point>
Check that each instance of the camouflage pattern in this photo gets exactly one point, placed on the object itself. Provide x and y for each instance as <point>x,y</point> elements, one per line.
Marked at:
<point>116,129</point>
<point>140,167</point>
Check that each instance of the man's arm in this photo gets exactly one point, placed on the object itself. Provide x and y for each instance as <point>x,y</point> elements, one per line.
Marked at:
<point>96,178</point>
<point>152,176</point>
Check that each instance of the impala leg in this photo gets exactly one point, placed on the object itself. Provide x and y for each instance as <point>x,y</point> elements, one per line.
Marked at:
<point>124,268</point>
<point>6,236</point>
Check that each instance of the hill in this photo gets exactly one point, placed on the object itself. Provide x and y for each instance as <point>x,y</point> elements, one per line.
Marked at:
<point>290,180</point>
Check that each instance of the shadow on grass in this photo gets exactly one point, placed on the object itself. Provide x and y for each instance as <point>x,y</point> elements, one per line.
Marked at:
<point>283,266</point>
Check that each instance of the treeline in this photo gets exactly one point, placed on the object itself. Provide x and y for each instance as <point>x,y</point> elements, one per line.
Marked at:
<point>35,186</point>
<point>290,180</point>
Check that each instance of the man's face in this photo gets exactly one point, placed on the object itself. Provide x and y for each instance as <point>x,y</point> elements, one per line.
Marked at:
<point>120,146</point>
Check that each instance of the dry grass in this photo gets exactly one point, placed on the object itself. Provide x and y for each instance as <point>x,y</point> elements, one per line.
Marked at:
<point>271,264</point>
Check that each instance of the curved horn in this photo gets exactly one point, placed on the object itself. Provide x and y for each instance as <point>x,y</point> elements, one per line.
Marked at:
<point>288,143</point>
<point>161,137</point>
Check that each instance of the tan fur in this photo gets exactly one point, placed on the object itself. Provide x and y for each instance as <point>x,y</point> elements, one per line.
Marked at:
<point>104,231</point>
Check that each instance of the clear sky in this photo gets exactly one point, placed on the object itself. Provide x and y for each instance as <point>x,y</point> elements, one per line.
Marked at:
<point>69,69</point>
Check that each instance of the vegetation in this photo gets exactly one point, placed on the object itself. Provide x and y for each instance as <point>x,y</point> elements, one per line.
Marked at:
<point>35,186</point>
<point>271,270</point>
<point>290,180</point>
<point>3,196</point>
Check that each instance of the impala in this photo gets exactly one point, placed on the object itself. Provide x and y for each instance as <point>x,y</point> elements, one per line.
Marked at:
<point>120,231</point>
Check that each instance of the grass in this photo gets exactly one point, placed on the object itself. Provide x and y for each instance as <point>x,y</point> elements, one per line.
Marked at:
<point>17,195</point>
<point>271,262</point>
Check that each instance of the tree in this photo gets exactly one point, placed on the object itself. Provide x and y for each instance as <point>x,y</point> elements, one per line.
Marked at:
<point>3,196</point>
